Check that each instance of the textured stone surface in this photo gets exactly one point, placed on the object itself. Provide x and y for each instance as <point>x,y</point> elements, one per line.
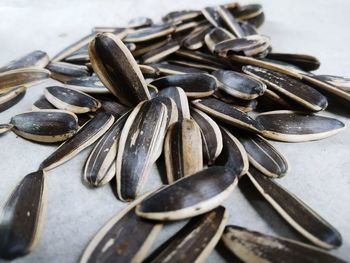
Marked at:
<point>319,174</point>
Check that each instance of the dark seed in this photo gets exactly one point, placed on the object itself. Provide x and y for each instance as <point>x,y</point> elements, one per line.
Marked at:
<point>226,113</point>
<point>183,150</point>
<point>42,104</point>
<point>263,156</point>
<point>239,85</point>
<point>195,241</point>
<point>22,215</point>
<point>71,100</point>
<point>90,84</point>
<point>301,217</point>
<point>22,77</point>
<point>143,134</point>
<point>37,58</point>
<point>171,69</point>
<point>190,196</point>
<point>233,155</point>
<point>125,238</point>
<point>102,157</point>
<point>195,85</point>
<point>211,136</point>
<point>149,33</point>
<point>45,125</point>
<point>291,88</point>
<point>180,99</point>
<point>64,71</point>
<point>117,69</point>
<point>305,62</point>
<point>11,97</point>
<point>290,126</point>
<point>85,136</point>
<point>250,246</point>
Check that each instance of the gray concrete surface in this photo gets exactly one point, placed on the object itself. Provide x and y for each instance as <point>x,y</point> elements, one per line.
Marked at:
<point>320,170</point>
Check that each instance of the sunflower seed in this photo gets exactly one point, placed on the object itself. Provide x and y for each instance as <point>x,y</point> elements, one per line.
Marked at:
<point>11,97</point>
<point>291,126</point>
<point>5,128</point>
<point>305,62</point>
<point>166,68</point>
<point>250,246</point>
<point>194,85</point>
<point>149,33</point>
<point>301,217</point>
<point>190,196</point>
<point>173,113</point>
<point>195,39</point>
<point>145,47</point>
<point>194,65</point>
<point>211,136</point>
<point>102,156</point>
<point>73,47</point>
<point>183,150</point>
<point>37,58</point>
<point>263,156</point>
<point>230,21</point>
<point>223,112</point>
<point>86,135</point>
<point>42,104</point>
<point>45,125</point>
<point>125,238</point>
<point>233,155</point>
<point>149,71</point>
<point>246,12</point>
<point>186,26</point>
<point>139,22</point>
<point>250,46</point>
<point>211,14</point>
<point>239,85</point>
<point>64,71</point>
<point>80,57</point>
<point>317,83</point>
<point>267,64</point>
<point>249,29</point>
<point>90,84</point>
<point>216,36</point>
<point>114,108</point>
<point>291,88</point>
<point>195,241</point>
<point>203,58</point>
<point>337,81</point>
<point>160,53</point>
<point>71,100</point>
<point>22,76</point>
<point>180,99</point>
<point>117,69</point>
<point>22,216</point>
<point>242,105</point>
<point>143,134</point>
<point>179,16</point>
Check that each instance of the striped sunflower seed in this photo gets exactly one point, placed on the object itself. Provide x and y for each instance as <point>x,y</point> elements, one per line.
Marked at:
<point>22,216</point>
<point>143,133</point>
<point>250,246</point>
<point>117,69</point>
<point>11,97</point>
<point>190,196</point>
<point>291,126</point>
<point>300,216</point>
<point>86,135</point>
<point>71,100</point>
<point>195,241</point>
<point>37,58</point>
<point>45,125</point>
<point>182,150</point>
<point>125,238</point>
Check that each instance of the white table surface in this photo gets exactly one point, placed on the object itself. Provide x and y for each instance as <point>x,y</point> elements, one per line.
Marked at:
<point>320,170</point>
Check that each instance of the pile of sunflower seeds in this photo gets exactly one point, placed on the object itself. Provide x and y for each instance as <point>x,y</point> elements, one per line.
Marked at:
<point>177,93</point>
